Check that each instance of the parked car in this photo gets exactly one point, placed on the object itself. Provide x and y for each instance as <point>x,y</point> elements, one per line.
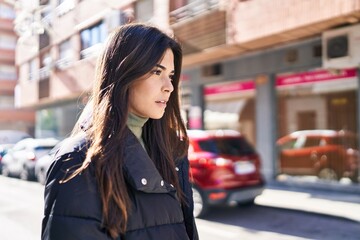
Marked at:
<point>20,160</point>
<point>43,164</point>
<point>224,169</point>
<point>328,154</point>
<point>3,150</point>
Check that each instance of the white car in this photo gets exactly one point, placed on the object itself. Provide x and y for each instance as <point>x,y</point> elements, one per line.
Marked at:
<point>20,160</point>
<point>42,165</point>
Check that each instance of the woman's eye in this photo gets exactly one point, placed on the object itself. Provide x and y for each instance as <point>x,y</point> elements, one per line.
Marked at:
<point>172,77</point>
<point>157,72</point>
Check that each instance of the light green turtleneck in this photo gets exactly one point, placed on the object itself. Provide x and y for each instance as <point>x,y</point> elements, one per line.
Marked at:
<point>135,124</point>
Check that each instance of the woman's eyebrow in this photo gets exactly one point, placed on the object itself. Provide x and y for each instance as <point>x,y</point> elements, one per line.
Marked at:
<point>162,67</point>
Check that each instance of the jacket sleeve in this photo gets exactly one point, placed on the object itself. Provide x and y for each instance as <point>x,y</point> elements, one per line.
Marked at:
<point>189,208</point>
<point>72,209</point>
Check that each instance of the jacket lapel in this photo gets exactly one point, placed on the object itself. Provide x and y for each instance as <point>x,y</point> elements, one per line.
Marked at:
<point>140,171</point>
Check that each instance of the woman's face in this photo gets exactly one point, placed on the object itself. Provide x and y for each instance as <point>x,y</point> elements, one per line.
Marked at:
<point>149,95</point>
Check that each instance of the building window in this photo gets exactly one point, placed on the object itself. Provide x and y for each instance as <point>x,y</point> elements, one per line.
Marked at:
<point>45,65</point>
<point>43,2</point>
<point>64,6</point>
<point>6,11</point>
<point>317,51</point>
<point>33,70</point>
<point>91,39</point>
<point>65,54</point>
<point>212,70</point>
<point>65,49</point>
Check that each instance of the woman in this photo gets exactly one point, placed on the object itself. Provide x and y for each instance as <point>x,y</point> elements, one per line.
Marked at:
<point>125,174</point>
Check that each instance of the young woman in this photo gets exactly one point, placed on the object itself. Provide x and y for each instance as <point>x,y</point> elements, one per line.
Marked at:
<point>125,175</point>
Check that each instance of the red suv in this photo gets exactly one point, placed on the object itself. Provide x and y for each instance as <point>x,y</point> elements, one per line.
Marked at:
<point>328,154</point>
<point>224,167</point>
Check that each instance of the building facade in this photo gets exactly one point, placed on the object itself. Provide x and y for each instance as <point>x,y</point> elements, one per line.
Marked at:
<point>11,118</point>
<point>265,68</point>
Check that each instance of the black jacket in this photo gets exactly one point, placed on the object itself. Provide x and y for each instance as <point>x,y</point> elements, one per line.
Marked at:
<point>73,210</point>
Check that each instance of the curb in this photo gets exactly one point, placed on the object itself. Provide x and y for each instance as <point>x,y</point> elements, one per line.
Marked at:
<point>330,187</point>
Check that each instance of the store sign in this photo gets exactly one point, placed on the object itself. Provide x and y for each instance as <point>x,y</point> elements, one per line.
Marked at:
<point>229,87</point>
<point>320,77</point>
<point>316,76</point>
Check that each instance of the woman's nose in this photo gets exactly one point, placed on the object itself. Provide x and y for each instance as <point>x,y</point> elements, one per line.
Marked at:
<point>168,85</point>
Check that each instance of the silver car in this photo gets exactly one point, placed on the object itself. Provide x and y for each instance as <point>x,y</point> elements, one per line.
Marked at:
<point>20,160</point>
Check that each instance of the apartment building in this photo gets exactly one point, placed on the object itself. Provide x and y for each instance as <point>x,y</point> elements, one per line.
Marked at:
<point>265,68</point>
<point>10,117</point>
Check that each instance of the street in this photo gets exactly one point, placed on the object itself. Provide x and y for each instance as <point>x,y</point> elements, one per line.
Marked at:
<point>21,205</point>
<point>258,222</point>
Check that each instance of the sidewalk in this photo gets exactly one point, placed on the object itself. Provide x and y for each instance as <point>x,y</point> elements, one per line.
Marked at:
<point>334,200</point>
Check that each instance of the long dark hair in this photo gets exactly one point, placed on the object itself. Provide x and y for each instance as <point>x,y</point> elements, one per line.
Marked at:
<point>131,52</point>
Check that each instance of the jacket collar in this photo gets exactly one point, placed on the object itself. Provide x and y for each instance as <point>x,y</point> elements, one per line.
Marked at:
<point>140,171</point>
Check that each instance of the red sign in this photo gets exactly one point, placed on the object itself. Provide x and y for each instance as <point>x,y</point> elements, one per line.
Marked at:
<point>283,80</point>
<point>316,76</point>
<point>229,87</point>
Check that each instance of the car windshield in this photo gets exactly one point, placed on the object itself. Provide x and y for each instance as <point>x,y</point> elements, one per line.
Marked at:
<point>44,148</point>
<point>229,146</point>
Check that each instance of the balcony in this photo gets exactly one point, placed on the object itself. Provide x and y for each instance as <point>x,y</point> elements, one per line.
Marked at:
<point>251,26</point>
<point>67,80</point>
<point>199,25</point>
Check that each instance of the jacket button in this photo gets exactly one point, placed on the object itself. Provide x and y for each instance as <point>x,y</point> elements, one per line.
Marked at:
<point>162,183</point>
<point>143,181</point>
<point>177,169</point>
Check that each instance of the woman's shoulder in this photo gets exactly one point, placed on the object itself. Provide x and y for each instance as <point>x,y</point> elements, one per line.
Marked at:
<point>77,144</point>
<point>69,155</point>
<point>68,198</point>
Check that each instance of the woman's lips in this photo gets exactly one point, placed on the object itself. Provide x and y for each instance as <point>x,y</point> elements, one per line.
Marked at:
<point>161,102</point>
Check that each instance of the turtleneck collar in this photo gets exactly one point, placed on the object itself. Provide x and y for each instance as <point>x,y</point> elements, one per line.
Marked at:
<point>135,124</point>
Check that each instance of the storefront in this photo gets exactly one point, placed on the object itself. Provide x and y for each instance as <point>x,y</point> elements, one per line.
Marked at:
<point>231,105</point>
<point>315,117</point>
<point>317,125</point>
<point>269,100</point>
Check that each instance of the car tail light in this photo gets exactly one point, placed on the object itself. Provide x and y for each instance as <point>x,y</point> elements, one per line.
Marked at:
<point>31,156</point>
<point>220,162</point>
<point>217,195</point>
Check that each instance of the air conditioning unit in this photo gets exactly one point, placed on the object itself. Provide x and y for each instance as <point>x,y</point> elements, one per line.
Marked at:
<point>341,47</point>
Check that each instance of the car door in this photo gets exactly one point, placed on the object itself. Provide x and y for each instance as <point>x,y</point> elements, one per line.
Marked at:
<point>11,159</point>
<point>299,158</point>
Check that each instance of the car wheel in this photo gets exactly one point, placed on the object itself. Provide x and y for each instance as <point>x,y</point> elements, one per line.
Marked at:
<point>41,176</point>
<point>200,204</point>
<point>5,171</point>
<point>24,174</point>
<point>328,174</point>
